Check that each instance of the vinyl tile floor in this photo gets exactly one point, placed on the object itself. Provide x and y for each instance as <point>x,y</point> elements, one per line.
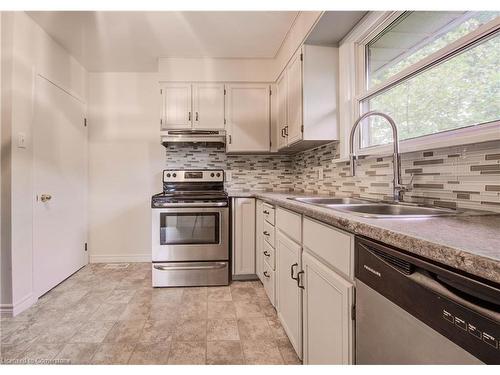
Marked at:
<point>114,316</point>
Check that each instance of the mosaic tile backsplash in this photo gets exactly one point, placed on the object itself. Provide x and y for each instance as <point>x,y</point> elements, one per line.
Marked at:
<point>465,176</point>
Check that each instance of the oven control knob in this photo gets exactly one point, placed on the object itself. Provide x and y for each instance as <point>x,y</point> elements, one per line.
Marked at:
<point>212,175</point>
<point>168,175</point>
<point>218,174</point>
<point>174,175</point>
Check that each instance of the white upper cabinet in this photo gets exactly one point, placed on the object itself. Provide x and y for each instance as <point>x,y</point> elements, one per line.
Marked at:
<point>248,117</point>
<point>310,81</point>
<point>208,106</point>
<point>176,106</point>
<point>282,115</point>
<point>293,130</point>
<point>192,106</point>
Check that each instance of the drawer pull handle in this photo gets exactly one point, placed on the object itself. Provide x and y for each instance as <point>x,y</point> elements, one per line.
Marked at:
<point>266,274</point>
<point>266,233</point>
<point>216,266</point>
<point>266,253</point>
<point>299,280</point>
<point>291,271</point>
<point>265,212</point>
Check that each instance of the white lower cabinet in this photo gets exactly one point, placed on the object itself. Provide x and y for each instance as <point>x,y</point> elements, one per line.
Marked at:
<point>243,236</point>
<point>327,309</point>
<point>259,238</point>
<point>288,293</point>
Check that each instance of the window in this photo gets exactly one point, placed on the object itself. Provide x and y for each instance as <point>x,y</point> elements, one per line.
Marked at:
<point>459,88</point>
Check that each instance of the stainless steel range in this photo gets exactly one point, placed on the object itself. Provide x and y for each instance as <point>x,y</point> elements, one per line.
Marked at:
<point>190,229</point>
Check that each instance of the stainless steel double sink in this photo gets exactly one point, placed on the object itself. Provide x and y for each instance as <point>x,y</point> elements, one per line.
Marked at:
<point>373,209</point>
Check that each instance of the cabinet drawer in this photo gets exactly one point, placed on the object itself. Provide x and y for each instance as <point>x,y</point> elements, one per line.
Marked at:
<point>289,223</point>
<point>268,254</point>
<point>268,281</point>
<point>268,212</point>
<point>268,233</point>
<point>332,245</point>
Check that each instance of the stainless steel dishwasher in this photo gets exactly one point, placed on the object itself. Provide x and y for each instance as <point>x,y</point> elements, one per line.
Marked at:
<point>412,311</point>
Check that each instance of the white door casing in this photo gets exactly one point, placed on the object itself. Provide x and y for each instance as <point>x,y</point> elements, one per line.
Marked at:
<point>60,171</point>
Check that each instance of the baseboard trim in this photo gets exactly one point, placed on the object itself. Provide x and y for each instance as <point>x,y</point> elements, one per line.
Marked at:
<point>132,258</point>
<point>19,307</point>
<point>6,310</point>
<point>248,277</point>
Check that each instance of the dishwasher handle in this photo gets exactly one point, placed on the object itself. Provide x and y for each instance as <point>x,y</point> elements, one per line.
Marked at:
<point>455,286</point>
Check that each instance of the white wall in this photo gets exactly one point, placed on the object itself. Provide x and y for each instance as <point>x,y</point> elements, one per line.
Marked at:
<point>31,52</point>
<point>240,70</point>
<point>125,164</point>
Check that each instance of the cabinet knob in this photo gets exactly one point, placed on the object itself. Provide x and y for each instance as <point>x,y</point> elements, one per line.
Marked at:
<point>196,118</point>
<point>189,116</point>
<point>266,274</point>
<point>45,197</point>
<point>266,233</point>
<point>266,253</point>
<point>265,212</point>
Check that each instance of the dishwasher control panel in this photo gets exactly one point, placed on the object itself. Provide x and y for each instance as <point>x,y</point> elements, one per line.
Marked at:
<point>471,329</point>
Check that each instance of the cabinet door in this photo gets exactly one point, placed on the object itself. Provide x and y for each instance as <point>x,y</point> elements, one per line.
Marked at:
<point>177,111</point>
<point>208,106</point>
<point>288,294</point>
<point>259,238</point>
<point>282,110</point>
<point>248,117</point>
<point>327,304</point>
<point>294,89</point>
<point>244,236</point>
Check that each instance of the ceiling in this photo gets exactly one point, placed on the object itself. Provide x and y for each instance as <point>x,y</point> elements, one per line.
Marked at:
<point>133,41</point>
<point>333,26</point>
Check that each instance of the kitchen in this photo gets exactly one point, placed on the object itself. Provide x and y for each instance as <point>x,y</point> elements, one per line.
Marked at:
<point>314,187</point>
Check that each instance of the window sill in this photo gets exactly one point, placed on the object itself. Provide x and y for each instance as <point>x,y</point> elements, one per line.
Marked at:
<point>459,137</point>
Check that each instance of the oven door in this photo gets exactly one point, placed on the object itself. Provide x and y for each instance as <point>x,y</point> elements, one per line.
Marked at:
<point>190,234</point>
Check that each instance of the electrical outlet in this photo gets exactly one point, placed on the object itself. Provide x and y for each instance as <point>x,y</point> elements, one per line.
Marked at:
<point>21,140</point>
<point>228,176</point>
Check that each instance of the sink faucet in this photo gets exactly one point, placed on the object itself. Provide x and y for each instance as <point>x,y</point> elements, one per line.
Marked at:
<point>398,187</point>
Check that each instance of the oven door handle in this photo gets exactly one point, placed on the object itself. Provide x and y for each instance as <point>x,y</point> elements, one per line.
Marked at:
<point>194,204</point>
<point>215,266</point>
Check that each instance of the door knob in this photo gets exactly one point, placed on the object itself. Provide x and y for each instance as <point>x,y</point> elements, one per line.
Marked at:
<point>45,197</point>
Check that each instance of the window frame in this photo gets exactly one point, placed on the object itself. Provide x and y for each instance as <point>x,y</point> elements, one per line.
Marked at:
<point>455,137</point>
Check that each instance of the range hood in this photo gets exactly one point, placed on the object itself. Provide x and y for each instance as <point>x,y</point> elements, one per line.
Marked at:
<point>193,136</point>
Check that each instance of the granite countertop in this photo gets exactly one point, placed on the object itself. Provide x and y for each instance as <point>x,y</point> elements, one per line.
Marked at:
<point>467,243</point>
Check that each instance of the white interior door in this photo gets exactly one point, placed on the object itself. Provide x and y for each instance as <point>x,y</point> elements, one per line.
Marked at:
<point>208,105</point>
<point>60,178</point>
